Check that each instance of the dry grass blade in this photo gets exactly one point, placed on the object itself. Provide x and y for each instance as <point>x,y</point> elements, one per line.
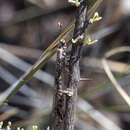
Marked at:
<point>8,114</point>
<point>110,75</point>
<point>10,79</point>
<point>24,66</point>
<point>19,83</point>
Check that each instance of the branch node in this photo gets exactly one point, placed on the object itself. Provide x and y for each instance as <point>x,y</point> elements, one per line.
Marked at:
<point>79,38</point>
<point>95,18</point>
<point>84,79</point>
<point>67,92</point>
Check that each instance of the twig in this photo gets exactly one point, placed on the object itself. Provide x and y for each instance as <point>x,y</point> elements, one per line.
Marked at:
<point>68,76</point>
<point>73,72</point>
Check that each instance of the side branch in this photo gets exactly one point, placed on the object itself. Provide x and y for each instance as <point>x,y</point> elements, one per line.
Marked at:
<point>73,68</point>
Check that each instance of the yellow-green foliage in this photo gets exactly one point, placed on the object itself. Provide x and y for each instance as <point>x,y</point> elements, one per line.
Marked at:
<point>34,127</point>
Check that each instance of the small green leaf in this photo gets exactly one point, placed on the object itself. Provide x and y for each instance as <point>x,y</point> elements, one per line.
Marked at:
<point>95,18</point>
<point>88,41</point>
<point>93,42</point>
<point>9,125</point>
<point>1,124</point>
<point>87,38</point>
<point>70,94</point>
<point>18,128</point>
<point>96,15</point>
<point>48,128</point>
<point>73,41</point>
<point>34,127</point>
<point>77,3</point>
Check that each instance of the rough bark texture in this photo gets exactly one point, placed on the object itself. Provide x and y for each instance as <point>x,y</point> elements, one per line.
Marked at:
<point>68,75</point>
<point>59,97</point>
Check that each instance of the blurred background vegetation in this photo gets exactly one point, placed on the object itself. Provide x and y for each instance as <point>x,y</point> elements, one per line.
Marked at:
<point>28,27</point>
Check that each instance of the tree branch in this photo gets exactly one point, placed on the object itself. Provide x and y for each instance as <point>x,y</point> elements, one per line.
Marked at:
<point>68,75</point>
